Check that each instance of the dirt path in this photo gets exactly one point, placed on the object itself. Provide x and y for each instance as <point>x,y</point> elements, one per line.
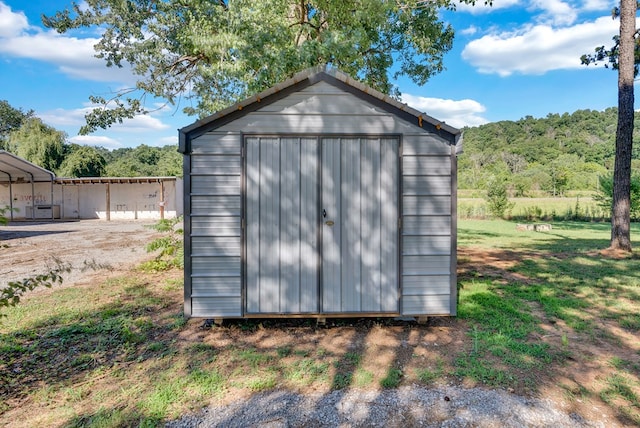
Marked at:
<point>90,246</point>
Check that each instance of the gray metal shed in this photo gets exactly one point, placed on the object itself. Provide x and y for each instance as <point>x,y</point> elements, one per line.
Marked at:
<point>319,197</point>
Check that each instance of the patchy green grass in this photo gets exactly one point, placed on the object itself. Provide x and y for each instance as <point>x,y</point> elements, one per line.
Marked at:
<point>540,300</point>
<point>534,310</point>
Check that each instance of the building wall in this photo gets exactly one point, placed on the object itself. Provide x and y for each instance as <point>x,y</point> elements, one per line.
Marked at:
<point>89,201</point>
<point>213,283</point>
<point>24,197</point>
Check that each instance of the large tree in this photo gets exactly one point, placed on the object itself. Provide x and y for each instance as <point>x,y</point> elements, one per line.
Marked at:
<point>623,56</point>
<point>11,118</point>
<point>214,53</point>
<point>82,161</point>
<point>38,142</point>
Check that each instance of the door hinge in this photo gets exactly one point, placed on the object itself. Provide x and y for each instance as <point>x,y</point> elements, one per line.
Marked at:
<point>399,222</point>
<point>242,225</point>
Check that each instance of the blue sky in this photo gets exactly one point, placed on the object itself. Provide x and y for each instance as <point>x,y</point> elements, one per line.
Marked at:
<point>511,60</point>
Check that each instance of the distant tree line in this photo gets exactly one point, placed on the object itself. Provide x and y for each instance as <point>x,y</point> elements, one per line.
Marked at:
<point>542,156</point>
<point>27,136</point>
<point>529,157</point>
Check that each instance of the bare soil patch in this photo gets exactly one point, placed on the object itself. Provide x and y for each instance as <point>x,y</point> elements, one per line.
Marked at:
<point>90,246</point>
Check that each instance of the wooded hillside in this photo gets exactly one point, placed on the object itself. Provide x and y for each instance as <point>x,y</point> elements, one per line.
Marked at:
<point>546,155</point>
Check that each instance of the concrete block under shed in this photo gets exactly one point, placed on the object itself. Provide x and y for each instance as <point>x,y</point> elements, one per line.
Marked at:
<point>544,227</point>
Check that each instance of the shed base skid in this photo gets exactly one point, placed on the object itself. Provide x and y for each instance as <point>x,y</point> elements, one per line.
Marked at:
<point>321,320</point>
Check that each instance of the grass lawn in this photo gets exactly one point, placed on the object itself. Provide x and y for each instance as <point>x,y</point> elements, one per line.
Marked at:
<point>545,314</point>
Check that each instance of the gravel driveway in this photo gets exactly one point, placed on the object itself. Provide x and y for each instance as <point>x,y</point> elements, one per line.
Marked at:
<point>29,248</point>
<point>410,406</point>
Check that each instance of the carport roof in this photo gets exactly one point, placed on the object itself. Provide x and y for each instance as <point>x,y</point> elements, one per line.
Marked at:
<point>14,169</point>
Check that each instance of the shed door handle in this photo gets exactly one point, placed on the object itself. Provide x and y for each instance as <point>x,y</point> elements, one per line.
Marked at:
<point>324,213</point>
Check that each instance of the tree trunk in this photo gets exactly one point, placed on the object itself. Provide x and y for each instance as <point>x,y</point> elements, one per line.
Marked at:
<point>620,215</point>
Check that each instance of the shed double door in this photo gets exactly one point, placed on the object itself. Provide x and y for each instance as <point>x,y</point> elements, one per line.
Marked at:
<point>321,225</point>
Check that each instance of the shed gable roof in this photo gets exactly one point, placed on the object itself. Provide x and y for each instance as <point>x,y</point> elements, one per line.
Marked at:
<point>307,78</point>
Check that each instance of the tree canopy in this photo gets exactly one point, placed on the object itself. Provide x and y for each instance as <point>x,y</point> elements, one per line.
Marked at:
<point>542,155</point>
<point>37,142</point>
<point>82,161</point>
<point>210,54</point>
<point>11,118</point>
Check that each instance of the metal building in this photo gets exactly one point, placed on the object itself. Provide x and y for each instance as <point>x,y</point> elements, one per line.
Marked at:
<point>320,197</point>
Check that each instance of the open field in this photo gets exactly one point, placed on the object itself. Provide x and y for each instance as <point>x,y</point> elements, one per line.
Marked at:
<point>541,314</point>
<point>533,209</point>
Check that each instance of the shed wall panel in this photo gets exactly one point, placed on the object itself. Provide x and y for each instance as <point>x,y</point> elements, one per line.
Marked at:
<point>426,225</point>
<point>426,304</point>
<point>418,285</point>
<point>426,165</point>
<point>321,103</point>
<point>220,143</point>
<point>215,226</point>
<point>221,185</point>
<point>215,287</point>
<point>427,185</point>
<point>426,205</point>
<point>216,165</point>
<point>418,245</point>
<point>425,144</point>
<point>215,205</point>
<point>213,307</point>
<point>214,260</point>
<point>213,266</point>
<point>213,246</point>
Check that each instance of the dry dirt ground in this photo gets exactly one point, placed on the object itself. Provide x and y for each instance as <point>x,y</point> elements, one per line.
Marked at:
<point>114,247</point>
<point>92,247</point>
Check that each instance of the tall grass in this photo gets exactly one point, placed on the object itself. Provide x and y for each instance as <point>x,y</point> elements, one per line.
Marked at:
<point>538,209</point>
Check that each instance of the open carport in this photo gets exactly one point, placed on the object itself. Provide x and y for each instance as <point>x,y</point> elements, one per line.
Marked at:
<point>15,170</point>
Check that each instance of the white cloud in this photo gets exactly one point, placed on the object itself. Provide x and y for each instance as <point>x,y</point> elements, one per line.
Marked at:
<point>168,141</point>
<point>73,56</point>
<point>97,140</point>
<point>140,123</point>
<point>11,24</point>
<point>538,49</point>
<point>470,31</point>
<point>457,113</point>
<point>598,5</point>
<point>555,12</point>
<point>75,118</point>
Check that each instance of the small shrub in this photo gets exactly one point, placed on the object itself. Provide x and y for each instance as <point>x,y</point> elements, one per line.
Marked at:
<point>498,200</point>
<point>604,197</point>
<point>170,247</point>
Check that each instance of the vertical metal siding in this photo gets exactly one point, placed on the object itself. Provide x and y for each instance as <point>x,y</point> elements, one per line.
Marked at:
<point>359,252</point>
<point>282,221</point>
<point>331,235</point>
<point>390,213</point>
